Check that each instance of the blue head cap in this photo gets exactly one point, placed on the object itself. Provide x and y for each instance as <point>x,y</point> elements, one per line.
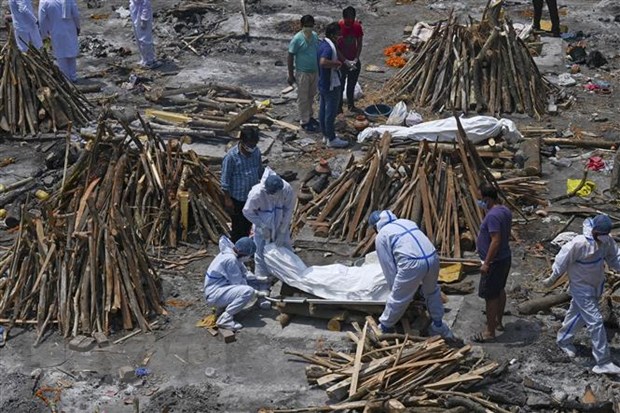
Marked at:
<point>273,184</point>
<point>601,224</point>
<point>245,246</point>
<point>374,218</point>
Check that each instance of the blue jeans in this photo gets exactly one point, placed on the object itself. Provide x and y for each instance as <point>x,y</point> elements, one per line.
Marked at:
<point>328,110</point>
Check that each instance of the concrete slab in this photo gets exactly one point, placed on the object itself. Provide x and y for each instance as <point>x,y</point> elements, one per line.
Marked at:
<point>552,55</point>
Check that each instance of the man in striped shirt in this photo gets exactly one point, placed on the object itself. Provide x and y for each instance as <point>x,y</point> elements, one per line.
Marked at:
<point>241,170</point>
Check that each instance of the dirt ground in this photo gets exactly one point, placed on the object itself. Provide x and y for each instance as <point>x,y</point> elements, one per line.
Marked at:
<point>190,371</point>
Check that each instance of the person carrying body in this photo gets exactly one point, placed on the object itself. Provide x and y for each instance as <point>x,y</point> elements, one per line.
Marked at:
<point>408,260</point>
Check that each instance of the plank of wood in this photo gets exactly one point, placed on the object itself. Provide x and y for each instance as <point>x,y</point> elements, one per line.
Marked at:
<point>358,361</point>
<point>228,335</point>
<point>245,115</point>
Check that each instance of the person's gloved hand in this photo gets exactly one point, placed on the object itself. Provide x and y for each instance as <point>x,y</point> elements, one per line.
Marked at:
<point>349,64</point>
<point>548,282</point>
<point>262,294</point>
<point>143,24</point>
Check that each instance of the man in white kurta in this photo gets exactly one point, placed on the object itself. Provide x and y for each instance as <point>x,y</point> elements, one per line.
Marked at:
<point>25,24</point>
<point>60,20</point>
<point>142,20</point>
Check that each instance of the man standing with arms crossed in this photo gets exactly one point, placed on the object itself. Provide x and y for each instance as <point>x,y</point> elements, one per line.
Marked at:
<point>303,69</point>
<point>494,250</point>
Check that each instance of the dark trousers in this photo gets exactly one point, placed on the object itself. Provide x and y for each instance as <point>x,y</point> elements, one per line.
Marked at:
<point>552,5</point>
<point>240,225</point>
<point>350,76</point>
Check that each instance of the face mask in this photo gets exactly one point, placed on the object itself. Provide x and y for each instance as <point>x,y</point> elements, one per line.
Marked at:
<point>244,259</point>
<point>248,148</point>
<point>307,30</point>
<point>482,204</point>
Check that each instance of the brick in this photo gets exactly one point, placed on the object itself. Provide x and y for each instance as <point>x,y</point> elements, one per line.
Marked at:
<point>102,340</point>
<point>229,335</point>
<point>127,374</point>
<point>82,344</point>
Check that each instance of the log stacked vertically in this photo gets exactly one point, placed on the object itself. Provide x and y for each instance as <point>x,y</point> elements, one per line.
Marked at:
<point>82,261</point>
<point>483,67</point>
<point>35,96</point>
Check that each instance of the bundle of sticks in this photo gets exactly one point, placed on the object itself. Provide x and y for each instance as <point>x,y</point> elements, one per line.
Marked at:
<point>34,95</point>
<point>484,67</point>
<point>82,261</point>
<point>396,369</point>
<point>438,191</point>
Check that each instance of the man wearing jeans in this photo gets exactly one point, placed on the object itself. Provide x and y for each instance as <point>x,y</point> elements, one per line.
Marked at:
<point>349,51</point>
<point>241,170</point>
<point>329,86</point>
<point>303,69</point>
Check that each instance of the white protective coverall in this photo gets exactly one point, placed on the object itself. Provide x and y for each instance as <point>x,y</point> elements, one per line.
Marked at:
<point>225,284</point>
<point>408,259</point>
<point>271,216</point>
<point>584,260</point>
<point>60,20</point>
<point>25,24</point>
<point>142,20</point>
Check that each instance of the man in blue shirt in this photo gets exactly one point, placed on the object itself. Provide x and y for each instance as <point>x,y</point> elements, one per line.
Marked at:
<point>329,86</point>
<point>303,69</point>
<point>241,170</point>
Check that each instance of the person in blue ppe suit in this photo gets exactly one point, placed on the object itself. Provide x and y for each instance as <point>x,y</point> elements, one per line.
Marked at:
<point>141,13</point>
<point>408,260</point>
<point>25,24</point>
<point>584,258</point>
<point>225,285</point>
<point>60,20</point>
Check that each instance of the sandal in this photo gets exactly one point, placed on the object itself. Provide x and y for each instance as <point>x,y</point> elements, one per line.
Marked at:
<point>480,338</point>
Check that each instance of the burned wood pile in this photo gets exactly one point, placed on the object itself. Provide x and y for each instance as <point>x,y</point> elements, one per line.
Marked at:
<point>81,261</point>
<point>483,67</point>
<point>35,96</point>
<point>396,370</point>
<point>437,189</point>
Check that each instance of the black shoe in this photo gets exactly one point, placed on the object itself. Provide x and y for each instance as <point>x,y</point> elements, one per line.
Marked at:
<point>355,109</point>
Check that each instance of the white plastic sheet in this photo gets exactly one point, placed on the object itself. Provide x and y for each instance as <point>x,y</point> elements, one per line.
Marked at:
<point>477,128</point>
<point>331,282</point>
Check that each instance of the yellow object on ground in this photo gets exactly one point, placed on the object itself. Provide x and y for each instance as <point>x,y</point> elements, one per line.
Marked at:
<point>167,116</point>
<point>586,189</point>
<point>449,273</point>
<point>207,322</point>
<point>2,213</point>
<point>546,26</point>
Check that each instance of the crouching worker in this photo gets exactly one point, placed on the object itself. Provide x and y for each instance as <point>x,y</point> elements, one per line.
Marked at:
<point>584,258</point>
<point>408,259</point>
<point>225,285</point>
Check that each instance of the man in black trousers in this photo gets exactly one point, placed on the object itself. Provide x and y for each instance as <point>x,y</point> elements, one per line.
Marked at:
<point>552,5</point>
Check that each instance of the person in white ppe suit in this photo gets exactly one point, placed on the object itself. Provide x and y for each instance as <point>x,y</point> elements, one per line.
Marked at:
<point>142,20</point>
<point>269,207</point>
<point>25,24</point>
<point>225,285</point>
<point>60,20</point>
<point>408,259</point>
<point>584,258</point>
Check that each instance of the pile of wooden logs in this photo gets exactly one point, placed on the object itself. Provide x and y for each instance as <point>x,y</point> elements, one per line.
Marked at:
<point>82,260</point>
<point>35,96</point>
<point>438,190</point>
<point>484,67</point>
<point>398,370</point>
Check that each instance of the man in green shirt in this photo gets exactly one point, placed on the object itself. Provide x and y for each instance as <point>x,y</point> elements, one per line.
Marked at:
<point>303,69</point>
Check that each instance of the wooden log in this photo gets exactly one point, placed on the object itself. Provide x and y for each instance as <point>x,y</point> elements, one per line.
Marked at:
<point>535,305</point>
<point>531,152</point>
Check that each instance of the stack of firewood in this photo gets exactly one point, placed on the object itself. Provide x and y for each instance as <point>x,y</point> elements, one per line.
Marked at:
<point>82,260</point>
<point>396,371</point>
<point>484,67</point>
<point>437,189</point>
<point>35,96</point>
